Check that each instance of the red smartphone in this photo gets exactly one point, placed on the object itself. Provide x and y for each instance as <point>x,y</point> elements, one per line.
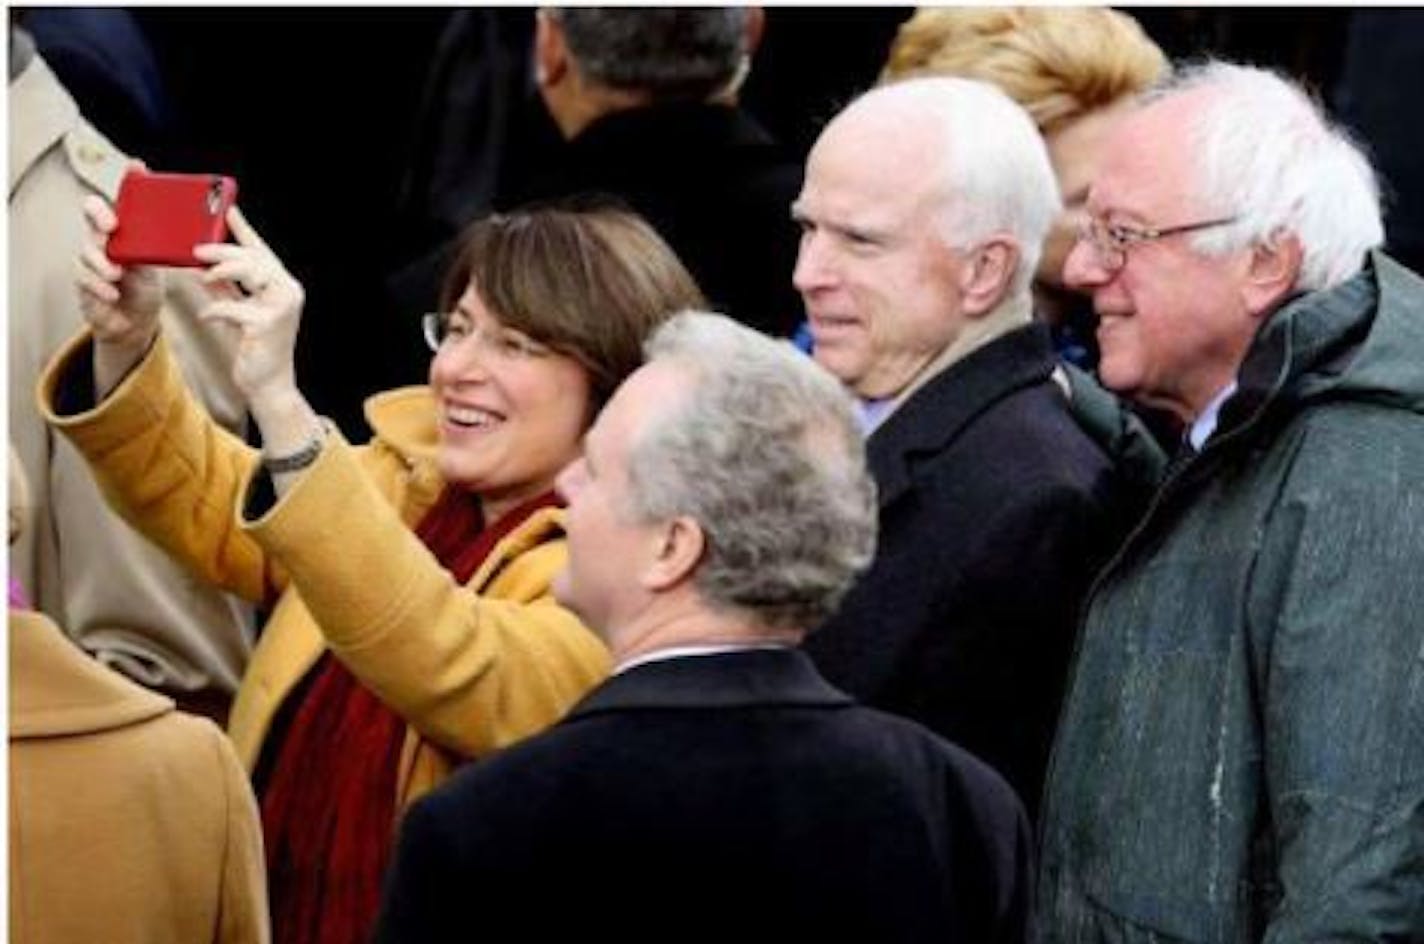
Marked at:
<point>163,216</point>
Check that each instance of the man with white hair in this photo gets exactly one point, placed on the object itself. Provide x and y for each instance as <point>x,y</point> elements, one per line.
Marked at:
<point>1241,755</point>
<point>715,788</point>
<point>924,209</point>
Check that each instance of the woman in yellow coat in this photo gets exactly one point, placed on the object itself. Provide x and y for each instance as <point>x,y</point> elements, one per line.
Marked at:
<point>412,623</point>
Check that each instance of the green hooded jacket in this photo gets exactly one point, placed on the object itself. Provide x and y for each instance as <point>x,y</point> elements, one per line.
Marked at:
<point>1240,756</point>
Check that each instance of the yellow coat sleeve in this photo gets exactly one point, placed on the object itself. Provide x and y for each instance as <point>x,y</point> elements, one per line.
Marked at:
<point>471,668</point>
<point>165,465</point>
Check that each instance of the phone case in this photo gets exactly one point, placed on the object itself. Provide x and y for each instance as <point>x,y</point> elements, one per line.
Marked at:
<point>163,216</point>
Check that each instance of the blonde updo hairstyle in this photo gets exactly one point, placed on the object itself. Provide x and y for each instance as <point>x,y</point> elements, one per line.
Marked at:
<point>1058,63</point>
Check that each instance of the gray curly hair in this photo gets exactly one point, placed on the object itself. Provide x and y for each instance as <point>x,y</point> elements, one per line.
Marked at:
<point>765,455</point>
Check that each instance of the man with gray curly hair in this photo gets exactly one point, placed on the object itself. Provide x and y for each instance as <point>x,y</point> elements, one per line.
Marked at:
<point>721,509</point>
<point>1241,751</point>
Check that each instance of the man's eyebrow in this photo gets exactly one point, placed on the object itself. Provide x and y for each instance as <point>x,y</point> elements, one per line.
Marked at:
<point>852,230</point>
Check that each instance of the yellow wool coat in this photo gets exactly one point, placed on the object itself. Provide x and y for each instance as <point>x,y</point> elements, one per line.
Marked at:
<point>130,823</point>
<point>470,668</point>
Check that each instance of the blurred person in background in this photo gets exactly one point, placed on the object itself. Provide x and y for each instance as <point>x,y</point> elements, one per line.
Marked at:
<point>645,103</point>
<point>149,618</point>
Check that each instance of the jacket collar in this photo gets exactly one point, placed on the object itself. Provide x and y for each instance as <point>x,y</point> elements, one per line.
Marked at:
<point>744,679</point>
<point>41,113</point>
<point>1356,341</point>
<point>683,126</point>
<point>404,420</point>
<point>55,689</point>
<point>940,410</point>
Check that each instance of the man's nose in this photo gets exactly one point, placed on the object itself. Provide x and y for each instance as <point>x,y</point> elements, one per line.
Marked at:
<point>1084,269</point>
<point>813,269</point>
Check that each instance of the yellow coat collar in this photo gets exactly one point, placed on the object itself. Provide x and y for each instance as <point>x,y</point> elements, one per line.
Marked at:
<point>56,689</point>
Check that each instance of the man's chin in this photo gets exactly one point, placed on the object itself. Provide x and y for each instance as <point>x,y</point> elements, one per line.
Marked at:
<point>1118,377</point>
<point>839,364</point>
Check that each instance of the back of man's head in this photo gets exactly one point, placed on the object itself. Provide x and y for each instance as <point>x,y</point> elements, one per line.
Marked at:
<point>764,454</point>
<point>1265,153</point>
<point>994,172</point>
<point>667,53</point>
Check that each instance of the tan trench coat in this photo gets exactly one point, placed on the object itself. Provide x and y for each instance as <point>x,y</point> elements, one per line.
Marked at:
<point>117,595</point>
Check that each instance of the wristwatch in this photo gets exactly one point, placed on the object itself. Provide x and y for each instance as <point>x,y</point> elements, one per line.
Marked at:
<point>304,456</point>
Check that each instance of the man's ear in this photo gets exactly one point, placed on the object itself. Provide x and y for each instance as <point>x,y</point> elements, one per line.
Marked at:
<point>1272,272</point>
<point>679,549</point>
<point>551,50</point>
<point>987,273</point>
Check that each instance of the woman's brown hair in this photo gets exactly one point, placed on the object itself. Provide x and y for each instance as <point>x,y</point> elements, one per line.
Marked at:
<point>588,281</point>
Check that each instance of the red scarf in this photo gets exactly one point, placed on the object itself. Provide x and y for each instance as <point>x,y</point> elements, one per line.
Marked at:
<point>328,810</point>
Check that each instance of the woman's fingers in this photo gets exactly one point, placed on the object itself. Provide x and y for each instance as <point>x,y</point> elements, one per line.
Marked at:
<point>220,252</point>
<point>100,216</point>
<point>237,311</point>
<point>97,288</point>
<point>93,261</point>
<point>243,231</point>
<point>247,272</point>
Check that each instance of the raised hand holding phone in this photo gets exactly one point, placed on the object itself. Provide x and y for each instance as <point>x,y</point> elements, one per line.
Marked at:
<point>119,303</point>
<point>256,295</point>
<point>265,308</point>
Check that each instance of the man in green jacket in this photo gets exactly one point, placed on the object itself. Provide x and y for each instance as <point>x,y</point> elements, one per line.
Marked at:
<point>1241,752</point>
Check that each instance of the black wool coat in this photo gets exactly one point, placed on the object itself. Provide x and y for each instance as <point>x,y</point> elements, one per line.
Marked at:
<point>996,509</point>
<point>728,797</point>
<point>713,183</point>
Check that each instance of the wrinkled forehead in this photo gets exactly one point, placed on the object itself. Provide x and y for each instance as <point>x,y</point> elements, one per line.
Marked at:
<point>1147,173</point>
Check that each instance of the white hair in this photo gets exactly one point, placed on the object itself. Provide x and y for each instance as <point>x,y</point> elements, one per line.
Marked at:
<point>1266,154</point>
<point>995,173</point>
<point>763,452</point>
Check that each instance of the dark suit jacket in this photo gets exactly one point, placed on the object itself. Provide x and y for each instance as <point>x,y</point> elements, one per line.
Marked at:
<point>996,509</point>
<point>713,184</point>
<point>732,797</point>
<point>709,179</point>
